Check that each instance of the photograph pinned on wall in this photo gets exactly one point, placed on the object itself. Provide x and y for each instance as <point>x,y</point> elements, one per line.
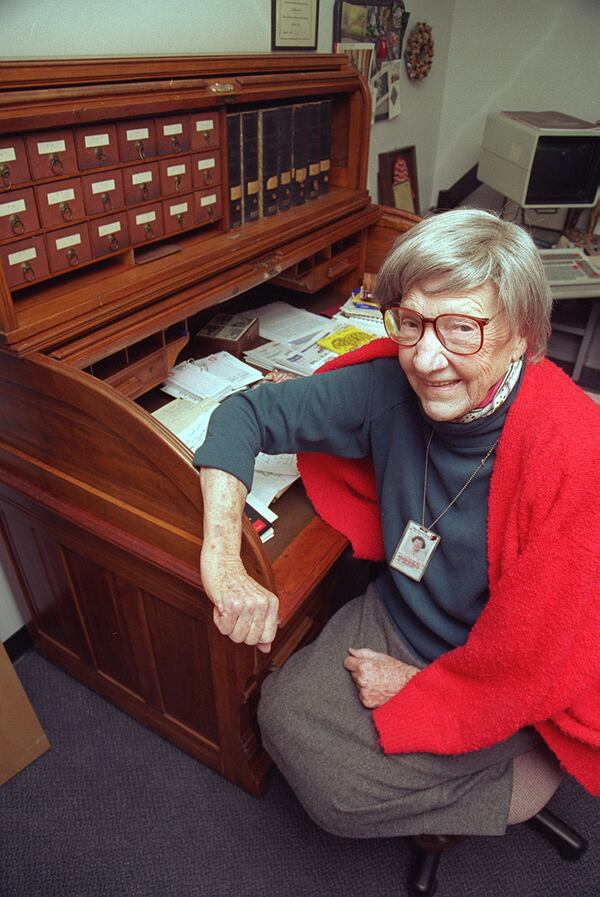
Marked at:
<point>382,25</point>
<point>398,186</point>
<point>360,55</point>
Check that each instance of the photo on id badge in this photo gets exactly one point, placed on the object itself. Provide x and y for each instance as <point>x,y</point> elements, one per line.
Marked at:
<point>414,551</point>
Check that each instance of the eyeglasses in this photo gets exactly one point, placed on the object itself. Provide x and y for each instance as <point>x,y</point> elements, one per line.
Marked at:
<point>461,334</point>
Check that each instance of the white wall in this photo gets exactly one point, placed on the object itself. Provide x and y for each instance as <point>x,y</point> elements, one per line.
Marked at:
<point>517,54</point>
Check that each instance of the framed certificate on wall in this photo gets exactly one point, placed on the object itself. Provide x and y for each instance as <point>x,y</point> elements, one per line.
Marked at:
<point>294,24</point>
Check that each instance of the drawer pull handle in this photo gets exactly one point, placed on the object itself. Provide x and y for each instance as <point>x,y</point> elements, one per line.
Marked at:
<point>140,149</point>
<point>113,243</point>
<point>56,164</point>
<point>175,145</point>
<point>106,202</point>
<point>144,189</point>
<point>210,211</point>
<point>220,87</point>
<point>178,183</point>
<point>148,232</point>
<point>28,272</point>
<point>5,175</point>
<point>206,137</point>
<point>207,177</point>
<point>66,212</point>
<point>99,153</point>
<point>336,269</point>
<point>16,224</point>
<point>72,257</point>
<point>181,220</point>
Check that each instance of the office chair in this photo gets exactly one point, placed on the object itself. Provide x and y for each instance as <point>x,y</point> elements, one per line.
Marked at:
<point>423,883</point>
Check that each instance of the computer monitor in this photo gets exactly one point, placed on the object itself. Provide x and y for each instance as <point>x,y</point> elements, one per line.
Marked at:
<point>541,160</point>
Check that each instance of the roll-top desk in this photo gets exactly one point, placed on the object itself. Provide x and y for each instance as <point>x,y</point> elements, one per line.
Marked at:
<point>116,238</point>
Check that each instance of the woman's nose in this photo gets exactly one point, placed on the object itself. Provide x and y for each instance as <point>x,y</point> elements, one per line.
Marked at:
<point>429,352</point>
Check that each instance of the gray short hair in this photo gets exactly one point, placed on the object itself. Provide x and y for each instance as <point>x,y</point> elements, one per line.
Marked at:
<point>466,248</point>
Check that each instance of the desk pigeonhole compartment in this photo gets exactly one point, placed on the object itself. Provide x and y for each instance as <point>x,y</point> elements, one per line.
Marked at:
<point>145,223</point>
<point>175,175</point>
<point>14,167</point>
<point>206,170</point>
<point>142,183</point>
<point>18,214</point>
<point>178,213</point>
<point>137,139</point>
<point>52,153</point>
<point>103,192</point>
<point>204,130</point>
<point>172,134</point>
<point>96,145</point>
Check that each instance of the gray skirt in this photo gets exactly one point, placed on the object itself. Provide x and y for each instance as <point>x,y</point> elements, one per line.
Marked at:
<point>324,742</point>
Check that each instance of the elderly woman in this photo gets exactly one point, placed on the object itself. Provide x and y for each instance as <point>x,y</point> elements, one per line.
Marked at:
<point>439,701</point>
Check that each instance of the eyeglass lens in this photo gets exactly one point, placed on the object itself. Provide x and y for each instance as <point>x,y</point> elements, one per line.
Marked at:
<point>457,333</point>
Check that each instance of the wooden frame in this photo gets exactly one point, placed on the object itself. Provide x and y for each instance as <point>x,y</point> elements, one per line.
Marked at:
<point>294,24</point>
<point>406,199</point>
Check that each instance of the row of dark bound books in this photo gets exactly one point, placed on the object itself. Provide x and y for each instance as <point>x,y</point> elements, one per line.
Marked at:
<point>277,158</point>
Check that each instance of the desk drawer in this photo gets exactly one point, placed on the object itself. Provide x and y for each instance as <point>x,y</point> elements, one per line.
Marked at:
<point>145,223</point>
<point>109,234</point>
<point>25,261</point>
<point>60,202</point>
<point>172,134</point>
<point>178,213</point>
<point>137,139</point>
<point>14,167</point>
<point>206,170</point>
<point>175,175</point>
<point>69,247</point>
<point>18,214</point>
<point>204,130</point>
<point>208,205</point>
<point>141,183</point>
<point>103,192</point>
<point>96,145</point>
<point>51,153</point>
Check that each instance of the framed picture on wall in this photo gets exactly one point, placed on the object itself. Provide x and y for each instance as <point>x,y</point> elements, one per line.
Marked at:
<point>397,182</point>
<point>294,24</point>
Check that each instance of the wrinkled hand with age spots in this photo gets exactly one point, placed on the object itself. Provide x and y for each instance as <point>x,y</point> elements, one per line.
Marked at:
<point>244,610</point>
<point>378,677</point>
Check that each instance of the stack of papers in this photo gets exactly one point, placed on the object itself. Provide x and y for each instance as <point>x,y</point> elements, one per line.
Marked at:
<point>369,319</point>
<point>188,420</point>
<point>282,323</point>
<point>214,377</point>
<point>301,358</point>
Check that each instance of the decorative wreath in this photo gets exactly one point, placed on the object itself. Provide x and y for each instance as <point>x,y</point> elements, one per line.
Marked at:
<point>419,52</point>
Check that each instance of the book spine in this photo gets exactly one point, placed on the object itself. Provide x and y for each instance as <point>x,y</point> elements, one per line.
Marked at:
<point>299,170</point>
<point>285,132</point>
<point>325,141</point>
<point>250,165</point>
<point>267,161</point>
<point>234,169</point>
<point>313,139</point>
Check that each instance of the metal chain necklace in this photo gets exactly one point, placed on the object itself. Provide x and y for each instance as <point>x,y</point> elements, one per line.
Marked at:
<point>417,544</point>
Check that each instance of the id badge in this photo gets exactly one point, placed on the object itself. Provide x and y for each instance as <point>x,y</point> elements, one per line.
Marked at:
<point>414,550</point>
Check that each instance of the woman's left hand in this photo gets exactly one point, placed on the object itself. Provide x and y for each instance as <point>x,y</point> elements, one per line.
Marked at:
<point>378,677</point>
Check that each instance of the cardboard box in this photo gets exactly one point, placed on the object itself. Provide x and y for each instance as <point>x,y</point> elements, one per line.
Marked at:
<point>22,739</point>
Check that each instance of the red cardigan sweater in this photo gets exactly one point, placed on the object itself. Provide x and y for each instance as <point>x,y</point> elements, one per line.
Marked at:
<point>533,656</point>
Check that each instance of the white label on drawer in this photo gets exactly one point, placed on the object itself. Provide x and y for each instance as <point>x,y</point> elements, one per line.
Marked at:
<point>7,154</point>
<point>173,170</point>
<point>105,229</point>
<point>65,242</point>
<point>206,124</point>
<point>178,209</point>
<point>145,218</point>
<point>52,146</point>
<point>60,196</point>
<point>168,130</point>
<point>206,163</point>
<point>11,208</point>
<point>24,255</point>
<point>138,134</point>
<point>92,140</point>
<point>208,200</point>
<point>143,177</point>
<point>103,186</point>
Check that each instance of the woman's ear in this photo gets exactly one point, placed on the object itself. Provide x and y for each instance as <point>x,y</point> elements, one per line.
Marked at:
<point>519,348</point>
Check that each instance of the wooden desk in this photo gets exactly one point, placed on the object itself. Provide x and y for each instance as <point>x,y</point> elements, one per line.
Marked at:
<point>101,509</point>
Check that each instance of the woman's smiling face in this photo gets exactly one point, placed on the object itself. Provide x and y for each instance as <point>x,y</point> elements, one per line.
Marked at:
<point>449,385</point>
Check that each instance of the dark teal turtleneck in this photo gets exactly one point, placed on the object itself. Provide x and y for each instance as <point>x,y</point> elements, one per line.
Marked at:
<point>371,409</point>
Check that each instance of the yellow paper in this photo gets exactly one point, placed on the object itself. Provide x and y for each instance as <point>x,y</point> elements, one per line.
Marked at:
<point>346,339</point>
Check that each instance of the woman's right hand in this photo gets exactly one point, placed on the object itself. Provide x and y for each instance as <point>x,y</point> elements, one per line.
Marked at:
<point>244,610</point>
